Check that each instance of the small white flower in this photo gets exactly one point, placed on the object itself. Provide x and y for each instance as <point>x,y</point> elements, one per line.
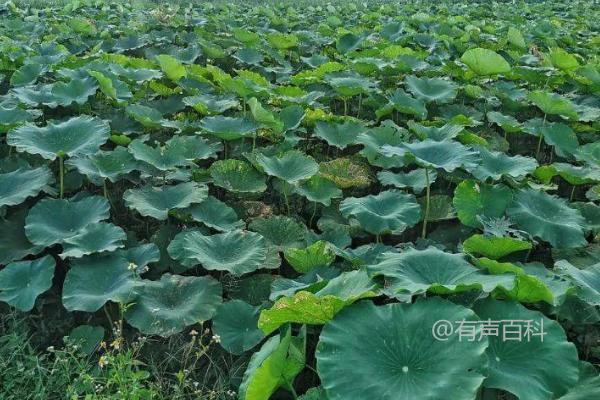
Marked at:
<point>216,338</point>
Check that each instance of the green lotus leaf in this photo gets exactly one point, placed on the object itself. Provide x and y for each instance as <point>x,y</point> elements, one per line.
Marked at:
<point>275,365</point>
<point>348,84</point>
<point>431,89</point>
<point>563,60</point>
<point>318,189</point>
<point>405,104</point>
<point>591,214</point>
<point>374,139</point>
<point>587,280</point>
<point>346,173</point>
<point>445,154</point>
<point>349,42</point>
<point>494,247</point>
<point>562,137</point>
<point>472,199</point>
<point>292,166</point>
<point>95,238</point>
<point>282,232</point>
<point>236,323</point>
<point>485,62</point>
<point>338,135</point>
<point>156,202</point>
<point>521,366</point>
<point>552,104</point>
<point>506,122</point>
<point>440,208</point>
<point>282,41</point>
<point>28,74</point>
<point>515,37</point>
<point>171,67</point>
<point>209,104</point>
<point>14,245</point>
<point>78,136</point>
<point>109,165</point>
<point>52,221</point>
<point>444,132</point>
<point>530,287</point>
<point>87,338</point>
<point>350,286</point>
<point>147,116</point>
<point>264,116</point>
<point>229,128</point>
<point>590,153</point>
<point>576,175</point>
<point>18,185</point>
<point>249,56</point>
<point>168,306</point>
<point>312,282</point>
<point>237,176</point>
<point>253,289</point>
<point>397,354</point>
<point>105,83</point>
<point>496,164</point>
<point>588,385</point>
<point>36,95</point>
<point>548,217</point>
<point>237,252</point>
<point>419,271</point>
<point>22,282</point>
<point>314,394</point>
<point>93,280</point>
<point>75,91</point>
<point>415,179</point>
<point>388,212</point>
<point>177,152</point>
<point>13,117</point>
<point>215,214</point>
<point>316,255</point>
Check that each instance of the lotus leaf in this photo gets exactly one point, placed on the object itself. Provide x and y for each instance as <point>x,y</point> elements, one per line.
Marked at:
<point>23,281</point>
<point>236,324</point>
<point>292,167</point>
<point>156,202</point>
<point>18,185</point>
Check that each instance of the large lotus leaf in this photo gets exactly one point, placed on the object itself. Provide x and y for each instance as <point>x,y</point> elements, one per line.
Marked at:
<point>249,56</point>
<point>147,116</point>
<point>109,165</point>
<point>548,217</point>
<point>275,365</point>
<point>530,287</point>
<point>22,282</point>
<point>405,104</point>
<point>391,353</point>
<point>14,245</point>
<point>282,41</point>
<point>587,280</point>
<point>292,167</point>
<point>496,164</point>
<point>167,306</point>
<point>349,42</point>
<point>418,271</point>
<point>27,74</point>
<point>238,252</point>
<point>431,89</point>
<point>348,84</point>
<point>485,62</point>
<point>552,103</point>
<point>215,214</point>
<point>210,104</point>
<point>588,385</point>
<point>494,247</point>
<point>445,154</point>
<point>416,179</point>
<point>375,138</point>
<point>444,132</point>
<point>95,238</point>
<point>282,232</point>
<point>36,95</point>
<point>171,67</point>
<point>177,152</point>
<point>264,116</point>
<point>316,255</point>
<point>573,174</point>
<point>312,281</point>
<point>506,122</point>
<point>590,153</point>
<point>18,185</point>
<point>388,212</point>
<point>156,202</point>
<point>562,137</point>
<point>237,176</point>
<point>520,366</point>
<point>13,117</point>
<point>346,173</point>
<point>93,280</point>
<point>75,91</point>
<point>472,199</point>
<point>87,338</point>
<point>318,189</point>
<point>52,221</point>
<point>229,128</point>
<point>78,136</point>
<point>236,323</point>
<point>338,135</point>
<point>350,286</point>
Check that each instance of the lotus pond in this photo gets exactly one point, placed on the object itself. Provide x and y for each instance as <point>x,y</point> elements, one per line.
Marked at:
<point>308,188</point>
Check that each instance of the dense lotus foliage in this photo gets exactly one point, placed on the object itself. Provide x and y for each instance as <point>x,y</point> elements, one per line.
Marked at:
<point>317,183</point>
